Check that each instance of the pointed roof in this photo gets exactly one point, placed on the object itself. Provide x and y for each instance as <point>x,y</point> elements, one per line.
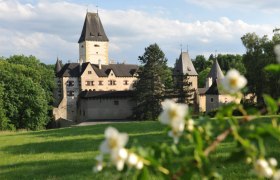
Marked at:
<point>184,65</point>
<point>216,72</point>
<point>58,65</point>
<point>93,29</point>
<point>214,89</point>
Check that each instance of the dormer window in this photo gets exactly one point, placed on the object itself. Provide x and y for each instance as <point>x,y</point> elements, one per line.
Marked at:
<point>90,34</point>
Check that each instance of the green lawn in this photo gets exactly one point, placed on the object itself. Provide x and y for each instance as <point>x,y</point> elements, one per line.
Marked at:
<point>69,153</point>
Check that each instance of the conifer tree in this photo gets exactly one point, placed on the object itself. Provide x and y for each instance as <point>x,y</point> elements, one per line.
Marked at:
<point>150,89</point>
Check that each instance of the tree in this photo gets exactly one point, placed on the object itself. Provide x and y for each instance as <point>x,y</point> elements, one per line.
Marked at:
<point>259,53</point>
<point>231,61</point>
<point>27,92</point>
<point>185,92</point>
<point>202,77</point>
<point>150,89</point>
<point>4,121</point>
<point>200,63</point>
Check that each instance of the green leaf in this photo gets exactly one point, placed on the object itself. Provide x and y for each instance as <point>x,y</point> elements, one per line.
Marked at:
<point>274,68</point>
<point>144,174</point>
<point>271,104</point>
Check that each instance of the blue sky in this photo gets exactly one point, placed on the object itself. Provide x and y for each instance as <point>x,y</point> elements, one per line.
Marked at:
<point>48,29</point>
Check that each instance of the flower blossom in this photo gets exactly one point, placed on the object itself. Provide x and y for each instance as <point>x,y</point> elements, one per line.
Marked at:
<point>99,165</point>
<point>173,114</point>
<point>263,169</point>
<point>134,160</point>
<point>114,140</point>
<point>276,175</point>
<point>119,157</point>
<point>233,82</point>
<point>114,144</point>
<point>277,52</point>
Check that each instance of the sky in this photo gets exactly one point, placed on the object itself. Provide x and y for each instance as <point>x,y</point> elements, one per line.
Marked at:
<point>51,29</point>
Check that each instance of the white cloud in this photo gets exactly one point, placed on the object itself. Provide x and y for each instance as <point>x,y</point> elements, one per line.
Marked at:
<point>48,29</point>
<point>263,5</point>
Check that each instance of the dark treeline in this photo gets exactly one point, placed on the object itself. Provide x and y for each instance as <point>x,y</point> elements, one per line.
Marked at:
<point>26,98</point>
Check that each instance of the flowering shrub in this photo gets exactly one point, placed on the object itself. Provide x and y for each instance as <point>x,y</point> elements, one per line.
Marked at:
<point>189,154</point>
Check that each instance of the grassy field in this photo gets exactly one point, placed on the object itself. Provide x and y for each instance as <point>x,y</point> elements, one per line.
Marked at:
<point>69,153</point>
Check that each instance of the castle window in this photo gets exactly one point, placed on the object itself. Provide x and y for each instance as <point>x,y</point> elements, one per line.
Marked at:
<point>89,72</point>
<point>100,83</point>
<point>212,99</point>
<point>116,103</point>
<point>96,52</point>
<point>112,82</point>
<point>82,46</point>
<point>96,45</point>
<point>70,83</point>
<point>89,83</point>
<point>70,93</point>
<point>125,82</point>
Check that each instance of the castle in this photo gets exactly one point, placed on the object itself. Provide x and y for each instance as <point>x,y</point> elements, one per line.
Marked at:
<point>96,89</point>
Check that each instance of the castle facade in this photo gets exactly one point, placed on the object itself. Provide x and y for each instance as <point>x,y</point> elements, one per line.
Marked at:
<point>96,89</point>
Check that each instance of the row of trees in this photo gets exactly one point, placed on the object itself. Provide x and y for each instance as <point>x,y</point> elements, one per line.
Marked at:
<point>155,78</point>
<point>26,87</point>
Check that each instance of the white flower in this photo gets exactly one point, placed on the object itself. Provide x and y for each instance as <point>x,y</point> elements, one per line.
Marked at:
<point>172,112</point>
<point>276,175</point>
<point>272,162</point>
<point>233,81</point>
<point>99,165</point>
<point>132,159</point>
<point>114,140</point>
<point>119,157</point>
<point>175,135</point>
<point>190,125</point>
<point>277,52</point>
<point>263,169</point>
<point>139,165</point>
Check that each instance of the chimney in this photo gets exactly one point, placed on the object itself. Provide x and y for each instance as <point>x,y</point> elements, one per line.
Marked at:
<point>99,64</point>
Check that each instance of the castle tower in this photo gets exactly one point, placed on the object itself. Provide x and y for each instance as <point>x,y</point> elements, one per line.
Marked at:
<point>93,42</point>
<point>184,67</point>
<point>215,74</point>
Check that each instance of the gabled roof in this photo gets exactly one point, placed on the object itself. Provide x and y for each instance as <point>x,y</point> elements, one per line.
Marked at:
<point>216,72</point>
<point>93,29</point>
<point>120,70</point>
<point>184,66</point>
<point>105,94</point>
<point>69,70</point>
<point>58,65</point>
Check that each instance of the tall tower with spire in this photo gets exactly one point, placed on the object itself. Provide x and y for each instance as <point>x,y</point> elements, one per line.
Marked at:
<point>215,74</point>
<point>93,42</point>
